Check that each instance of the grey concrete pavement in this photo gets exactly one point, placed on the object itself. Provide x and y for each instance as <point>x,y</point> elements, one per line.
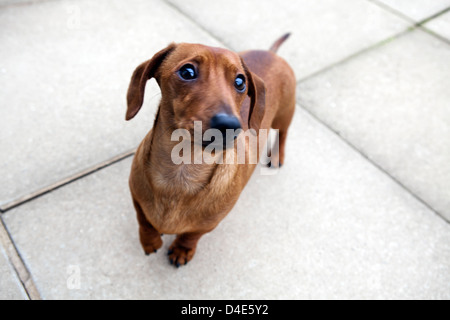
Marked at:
<point>417,10</point>
<point>11,288</point>
<point>393,105</point>
<point>440,25</point>
<point>359,211</point>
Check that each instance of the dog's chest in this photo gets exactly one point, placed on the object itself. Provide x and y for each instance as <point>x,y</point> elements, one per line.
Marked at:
<point>184,204</point>
<point>175,214</point>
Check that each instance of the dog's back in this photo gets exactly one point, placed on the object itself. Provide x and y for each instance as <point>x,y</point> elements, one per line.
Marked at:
<point>280,82</point>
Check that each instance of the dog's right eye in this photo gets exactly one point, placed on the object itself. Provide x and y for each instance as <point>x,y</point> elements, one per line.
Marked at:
<point>187,72</point>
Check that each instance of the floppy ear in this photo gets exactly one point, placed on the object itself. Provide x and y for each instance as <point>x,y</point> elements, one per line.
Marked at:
<point>257,94</point>
<point>144,72</point>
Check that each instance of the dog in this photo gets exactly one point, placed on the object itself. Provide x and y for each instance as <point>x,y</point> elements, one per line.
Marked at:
<point>251,90</point>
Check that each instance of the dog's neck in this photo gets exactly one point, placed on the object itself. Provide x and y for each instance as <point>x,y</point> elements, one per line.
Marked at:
<point>164,174</point>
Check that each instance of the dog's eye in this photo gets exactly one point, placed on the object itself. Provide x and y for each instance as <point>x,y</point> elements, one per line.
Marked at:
<point>239,83</point>
<point>187,72</point>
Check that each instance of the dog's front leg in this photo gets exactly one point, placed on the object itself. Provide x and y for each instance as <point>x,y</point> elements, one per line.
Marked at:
<point>150,238</point>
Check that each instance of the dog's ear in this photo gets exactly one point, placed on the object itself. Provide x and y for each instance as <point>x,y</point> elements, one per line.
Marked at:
<point>257,93</point>
<point>144,72</point>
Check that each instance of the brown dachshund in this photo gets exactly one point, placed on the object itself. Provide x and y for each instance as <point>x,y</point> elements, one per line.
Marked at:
<point>223,90</point>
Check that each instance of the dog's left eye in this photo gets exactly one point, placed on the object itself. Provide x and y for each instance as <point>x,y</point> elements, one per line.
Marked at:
<point>239,83</point>
<point>187,72</point>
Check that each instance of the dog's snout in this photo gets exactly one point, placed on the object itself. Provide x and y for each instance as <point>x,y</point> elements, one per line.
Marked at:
<point>223,121</point>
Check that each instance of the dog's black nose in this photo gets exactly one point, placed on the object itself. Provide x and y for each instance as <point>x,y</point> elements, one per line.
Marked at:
<point>223,121</point>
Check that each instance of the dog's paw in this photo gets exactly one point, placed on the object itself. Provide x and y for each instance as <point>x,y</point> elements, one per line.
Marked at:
<point>151,246</point>
<point>275,160</point>
<point>179,256</point>
<point>274,165</point>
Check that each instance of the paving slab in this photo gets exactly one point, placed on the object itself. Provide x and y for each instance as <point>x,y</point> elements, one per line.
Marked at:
<point>10,286</point>
<point>323,32</point>
<point>440,25</point>
<point>392,104</point>
<point>19,2</point>
<point>417,10</point>
<point>329,225</point>
<point>64,70</point>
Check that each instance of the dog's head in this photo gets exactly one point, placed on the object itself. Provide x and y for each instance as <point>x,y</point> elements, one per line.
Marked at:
<point>200,83</point>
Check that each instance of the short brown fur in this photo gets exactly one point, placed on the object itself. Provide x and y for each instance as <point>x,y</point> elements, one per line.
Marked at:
<point>190,200</point>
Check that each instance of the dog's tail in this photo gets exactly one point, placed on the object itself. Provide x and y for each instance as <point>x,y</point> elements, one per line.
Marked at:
<point>274,48</point>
